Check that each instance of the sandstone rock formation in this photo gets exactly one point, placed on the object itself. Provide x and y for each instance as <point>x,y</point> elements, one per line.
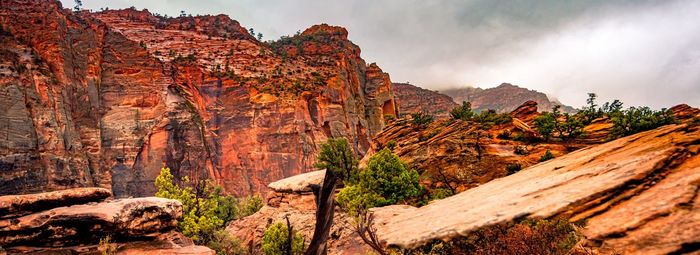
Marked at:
<point>463,153</point>
<point>412,99</point>
<point>105,99</point>
<point>637,195</point>
<point>293,198</point>
<point>74,221</point>
<point>504,98</point>
<point>20,205</point>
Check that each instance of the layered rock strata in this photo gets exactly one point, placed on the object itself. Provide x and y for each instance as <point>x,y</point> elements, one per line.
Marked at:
<point>106,99</point>
<point>637,195</point>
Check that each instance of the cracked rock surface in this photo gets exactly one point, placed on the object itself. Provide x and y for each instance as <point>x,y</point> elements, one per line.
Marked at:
<point>638,195</point>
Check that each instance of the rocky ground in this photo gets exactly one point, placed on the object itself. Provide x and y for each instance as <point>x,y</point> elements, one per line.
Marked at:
<point>77,220</point>
<point>637,195</point>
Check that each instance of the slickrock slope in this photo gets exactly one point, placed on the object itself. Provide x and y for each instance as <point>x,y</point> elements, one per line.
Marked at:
<point>74,220</point>
<point>504,98</point>
<point>292,197</point>
<point>104,99</point>
<point>638,195</point>
<point>413,99</point>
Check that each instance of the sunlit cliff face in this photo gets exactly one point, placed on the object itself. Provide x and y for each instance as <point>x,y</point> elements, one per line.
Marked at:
<point>618,49</point>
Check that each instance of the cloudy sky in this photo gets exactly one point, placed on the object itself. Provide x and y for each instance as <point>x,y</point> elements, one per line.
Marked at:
<point>642,52</point>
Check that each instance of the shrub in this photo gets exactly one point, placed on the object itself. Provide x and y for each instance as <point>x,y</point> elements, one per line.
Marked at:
<point>106,247</point>
<point>391,145</point>
<point>635,120</point>
<point>463,112</point>
<point>504,135</point>
<point>546,156</point>
<point>490,117</point>
<point>545,124</point>
<point>386,180</point>
<point>513,168</point>
<point>250,205</point>
<point>528,237</point>
<point>225,244</point>
<point>275,240</point>
<point>420,119</point>
<point>205,208</point>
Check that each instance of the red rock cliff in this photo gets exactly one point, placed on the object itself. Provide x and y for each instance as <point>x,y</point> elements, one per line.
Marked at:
<point>104,99</point>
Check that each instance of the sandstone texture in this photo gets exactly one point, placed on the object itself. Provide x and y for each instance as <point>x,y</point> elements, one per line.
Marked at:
<point>637,195</point>
<point>74,221</point>
<point>106,99</point>
<point>292,198</point>
<point>19,205</point>
<point>412,99</point>
<point>87,223</point>
<point>504,98</point>
<point>465,154</point>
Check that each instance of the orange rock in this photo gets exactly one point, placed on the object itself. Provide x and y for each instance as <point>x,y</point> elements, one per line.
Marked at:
<point>112,96</point>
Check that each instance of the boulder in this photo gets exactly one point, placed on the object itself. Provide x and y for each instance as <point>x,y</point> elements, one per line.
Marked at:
<point>123,219</point>
<point>13,206</point>
<point>638,195</point>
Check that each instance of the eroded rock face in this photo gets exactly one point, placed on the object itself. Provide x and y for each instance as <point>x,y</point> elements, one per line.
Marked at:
<point>18,205</point>
<point>105,99</point>
<point>412,99</point>
<point>638,195</point>
<point>504,98</point>
<point>292,198</point>
<point>123,219</point>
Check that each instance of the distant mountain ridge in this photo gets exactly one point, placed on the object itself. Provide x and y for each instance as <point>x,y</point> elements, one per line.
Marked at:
<point>412,99</point>
<point>504,98</point>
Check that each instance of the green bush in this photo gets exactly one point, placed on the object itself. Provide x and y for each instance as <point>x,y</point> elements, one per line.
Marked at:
<point>462,112</point>
<point>546,156</point>
<point>420,119</point>
<point>545,124</point>
<point>250,205</point>
<point>386,180</point>
<point>204,215</point>
<point>336,156</point>
<point>275,240</point>
<point>638,119</point>
<point>513,168</point>
<point>490,117</point>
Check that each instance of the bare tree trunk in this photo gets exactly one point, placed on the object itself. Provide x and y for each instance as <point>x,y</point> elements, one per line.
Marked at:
<point>324,215</point>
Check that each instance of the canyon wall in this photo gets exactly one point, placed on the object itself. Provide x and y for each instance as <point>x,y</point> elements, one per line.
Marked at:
<point>106,99</point>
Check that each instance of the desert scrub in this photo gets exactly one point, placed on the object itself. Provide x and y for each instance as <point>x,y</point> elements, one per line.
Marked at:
<point>546,156</point>
<point>556,236</point>
<point>275,240</point>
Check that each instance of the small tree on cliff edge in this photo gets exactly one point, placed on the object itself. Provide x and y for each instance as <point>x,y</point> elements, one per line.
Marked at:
<point>340,164</point>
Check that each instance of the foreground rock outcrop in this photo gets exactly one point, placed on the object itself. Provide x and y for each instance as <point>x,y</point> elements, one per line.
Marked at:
<point>76,220</point>
<point>503,98</point>
<point>20,205</point>
<point>292,198</point>
<point>412,99</point>
<point>637,195</point>
<point>104,99</point>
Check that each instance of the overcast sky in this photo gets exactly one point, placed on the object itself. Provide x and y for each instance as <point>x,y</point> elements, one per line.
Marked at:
<point>642,52</point>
